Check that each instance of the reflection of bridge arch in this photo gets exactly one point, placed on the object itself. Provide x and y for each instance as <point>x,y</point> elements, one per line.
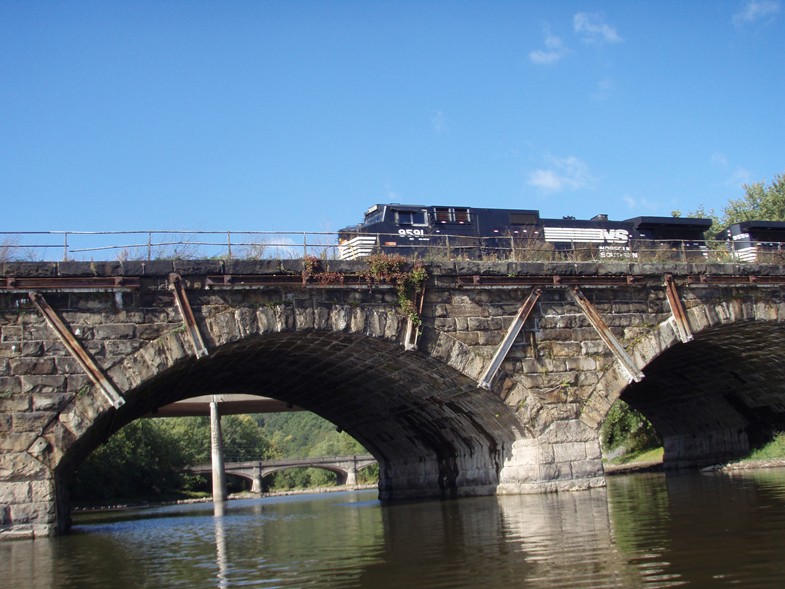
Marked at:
<point>345,467</point>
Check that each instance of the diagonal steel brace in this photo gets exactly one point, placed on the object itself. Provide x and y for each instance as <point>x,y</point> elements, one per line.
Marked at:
<point>509,339</point>
<point>677,310</point>
<point>607,336</point>
<point>77,350</point>
<point>181,299</point>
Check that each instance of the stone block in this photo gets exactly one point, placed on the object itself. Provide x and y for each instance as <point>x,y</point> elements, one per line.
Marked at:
<point>555,471</point>
<point>568,431</point>
<point>50,401</point>
<point>569,451</point>
<point>114,331</point>
<point>32,366</point>
<point>13,493</point>
<point>30,421</point>
<point>583,469</point>
<point>10,402</point>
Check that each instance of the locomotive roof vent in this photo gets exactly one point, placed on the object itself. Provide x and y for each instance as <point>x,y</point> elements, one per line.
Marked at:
<point>600,217</point>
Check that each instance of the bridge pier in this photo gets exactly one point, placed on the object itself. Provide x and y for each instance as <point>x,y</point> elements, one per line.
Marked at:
<point>217,453</point>
<point>256,481</point>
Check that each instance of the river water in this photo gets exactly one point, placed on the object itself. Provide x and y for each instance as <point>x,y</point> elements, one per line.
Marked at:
<point>643,530</point>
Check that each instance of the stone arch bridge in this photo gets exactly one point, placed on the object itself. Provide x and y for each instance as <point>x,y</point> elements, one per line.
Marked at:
<point>344,467</point>
<point>501,389</point>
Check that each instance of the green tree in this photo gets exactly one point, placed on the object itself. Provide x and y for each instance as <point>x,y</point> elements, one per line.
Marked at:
<point>759,202</point>
<point>141,459</point>
<point>626,428</point>
<point>149,457</point>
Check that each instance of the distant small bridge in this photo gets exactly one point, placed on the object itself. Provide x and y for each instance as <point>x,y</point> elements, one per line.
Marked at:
<point>345,467</point>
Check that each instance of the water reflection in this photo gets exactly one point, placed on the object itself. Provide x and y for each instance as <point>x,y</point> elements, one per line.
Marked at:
<point>221,555</point>
<point>646,530</point>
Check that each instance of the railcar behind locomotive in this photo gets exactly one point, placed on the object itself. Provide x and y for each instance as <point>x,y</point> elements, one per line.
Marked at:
<point>749,241</point>
<point>417,229</point>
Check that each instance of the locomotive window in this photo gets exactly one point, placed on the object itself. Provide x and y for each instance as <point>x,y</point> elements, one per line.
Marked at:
<point>442,215</point>
<point>461,215</point>
<point>374,216</point>
<point>411,217</point>
<point>523,219</point>
<point>447,215</point>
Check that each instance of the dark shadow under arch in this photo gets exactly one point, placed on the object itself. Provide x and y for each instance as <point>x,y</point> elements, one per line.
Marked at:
<point>433,432</point>
<point>715,397</point>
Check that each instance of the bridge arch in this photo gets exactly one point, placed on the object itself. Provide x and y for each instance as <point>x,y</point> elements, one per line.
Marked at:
<point>429,439</point>
<point>712,398</point>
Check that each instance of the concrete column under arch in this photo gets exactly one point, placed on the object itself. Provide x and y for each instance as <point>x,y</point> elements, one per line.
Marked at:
<point>217,452</point>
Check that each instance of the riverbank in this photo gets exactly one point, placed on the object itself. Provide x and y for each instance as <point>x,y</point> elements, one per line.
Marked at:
<point>142,504</point>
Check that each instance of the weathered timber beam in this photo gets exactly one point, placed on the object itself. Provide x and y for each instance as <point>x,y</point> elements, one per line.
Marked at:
<point>506,343</point>
<point>77,350</point>
<point>181,299</point>
<point>607,336</point>
<point>677,310</point>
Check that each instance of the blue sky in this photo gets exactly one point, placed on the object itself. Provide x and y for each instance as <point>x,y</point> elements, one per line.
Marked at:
<point>298,115</point>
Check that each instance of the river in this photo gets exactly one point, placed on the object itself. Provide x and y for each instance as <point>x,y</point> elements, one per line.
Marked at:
<point>643,530</point>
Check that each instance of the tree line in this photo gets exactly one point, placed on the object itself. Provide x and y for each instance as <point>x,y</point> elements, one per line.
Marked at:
<point>149,458</point>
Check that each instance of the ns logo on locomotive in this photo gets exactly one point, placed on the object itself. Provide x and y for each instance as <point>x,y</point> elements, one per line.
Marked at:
<point>416,229</point>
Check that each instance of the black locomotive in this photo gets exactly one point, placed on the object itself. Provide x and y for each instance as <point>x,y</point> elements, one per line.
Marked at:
<point>755,241</point>
<point>474,232</point>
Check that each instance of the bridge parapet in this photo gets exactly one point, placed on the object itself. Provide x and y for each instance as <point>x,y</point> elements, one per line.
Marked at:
<point>124,338</point>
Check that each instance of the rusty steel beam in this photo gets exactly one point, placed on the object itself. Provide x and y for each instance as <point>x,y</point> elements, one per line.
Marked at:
<point>506,343</point>
<point>13,283</point>
<point>248,281</point>
<point>412,330</point>
<point>677,310</point>
<point>77,350</point>
<point>181,299</point>
<point>708,279</point>
<point>546,280</point>
<point>607,336</point>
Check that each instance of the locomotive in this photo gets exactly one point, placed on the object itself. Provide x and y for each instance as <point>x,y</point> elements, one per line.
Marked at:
<point>755,241</point>
<point>473,232</point>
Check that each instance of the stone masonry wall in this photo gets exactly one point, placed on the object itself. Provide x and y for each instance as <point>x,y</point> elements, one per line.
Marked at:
<point>537,429</point>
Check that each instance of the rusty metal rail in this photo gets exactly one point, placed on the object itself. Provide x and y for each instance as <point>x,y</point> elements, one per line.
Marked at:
<point>477,280</point>
<point>349,280</point>
<point>13,283</point>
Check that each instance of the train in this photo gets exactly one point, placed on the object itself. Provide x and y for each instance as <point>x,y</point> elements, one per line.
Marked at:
<point>755,241</point>
<point>417,230</point>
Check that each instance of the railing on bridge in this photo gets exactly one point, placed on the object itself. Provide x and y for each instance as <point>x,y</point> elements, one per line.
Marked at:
<point>148,245</point>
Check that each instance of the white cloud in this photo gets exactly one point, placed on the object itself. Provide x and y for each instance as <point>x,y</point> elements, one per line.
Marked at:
<point>438,121</point>
<point>641,204</point>
<point>593,29</point>
<point>553,52</point>
<point>719,159</point>
<point>604,90</point>
<point>569,173</point>
<point>754,10</point>
<point>737,176</point>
